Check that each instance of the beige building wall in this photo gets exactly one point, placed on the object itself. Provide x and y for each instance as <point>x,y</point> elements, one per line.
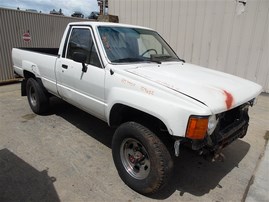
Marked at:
<point>226,35</point>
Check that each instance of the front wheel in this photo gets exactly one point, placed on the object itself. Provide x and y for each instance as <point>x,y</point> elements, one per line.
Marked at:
<point>142,160</point>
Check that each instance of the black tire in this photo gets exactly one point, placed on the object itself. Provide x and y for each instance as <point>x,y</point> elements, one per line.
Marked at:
<point>37,97</point>
<point>142,160</point>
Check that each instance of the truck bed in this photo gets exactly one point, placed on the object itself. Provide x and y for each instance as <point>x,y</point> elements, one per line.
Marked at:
<point>40,61</point>
<point>49,51</point>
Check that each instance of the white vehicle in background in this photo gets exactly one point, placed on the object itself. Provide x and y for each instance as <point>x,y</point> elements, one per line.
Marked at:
<point>129,77</point>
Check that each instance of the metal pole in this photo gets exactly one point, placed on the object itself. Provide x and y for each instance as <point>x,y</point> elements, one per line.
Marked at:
<point>104,7</point>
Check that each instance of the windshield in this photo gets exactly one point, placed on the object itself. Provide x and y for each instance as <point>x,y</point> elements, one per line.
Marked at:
<point>124,44</point>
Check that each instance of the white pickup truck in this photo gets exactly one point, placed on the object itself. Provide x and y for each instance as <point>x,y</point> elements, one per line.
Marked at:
<point>129,77</point>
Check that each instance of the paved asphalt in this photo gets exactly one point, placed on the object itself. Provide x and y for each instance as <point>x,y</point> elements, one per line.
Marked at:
<point>259,184</point>
<point>66,156</point>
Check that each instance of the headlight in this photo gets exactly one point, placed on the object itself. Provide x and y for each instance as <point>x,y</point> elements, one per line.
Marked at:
<point>212,124</point>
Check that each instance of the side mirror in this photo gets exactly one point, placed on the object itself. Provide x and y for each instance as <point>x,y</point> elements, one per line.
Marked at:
<point>81,58</point>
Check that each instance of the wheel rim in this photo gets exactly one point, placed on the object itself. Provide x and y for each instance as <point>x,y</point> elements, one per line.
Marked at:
<point>32,96</point>
<point>135,158</point>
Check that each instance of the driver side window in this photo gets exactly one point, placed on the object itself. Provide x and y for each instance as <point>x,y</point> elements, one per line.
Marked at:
<point>81,41</point>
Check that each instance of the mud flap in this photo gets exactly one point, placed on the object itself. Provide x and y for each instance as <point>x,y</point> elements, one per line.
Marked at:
<point>23,87</point>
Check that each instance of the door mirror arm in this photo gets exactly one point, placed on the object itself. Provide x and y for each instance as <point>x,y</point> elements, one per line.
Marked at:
<point>84,68</point>
<point>81,58</point>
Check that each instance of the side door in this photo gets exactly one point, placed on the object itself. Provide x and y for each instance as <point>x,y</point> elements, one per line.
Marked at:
<point>84,89</point>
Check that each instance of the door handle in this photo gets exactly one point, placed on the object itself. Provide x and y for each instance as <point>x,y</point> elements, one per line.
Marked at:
<point>64,66</point>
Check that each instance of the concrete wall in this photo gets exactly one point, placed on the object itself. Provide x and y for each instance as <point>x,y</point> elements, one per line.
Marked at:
<point>45,31</point>
<point>220,34</point>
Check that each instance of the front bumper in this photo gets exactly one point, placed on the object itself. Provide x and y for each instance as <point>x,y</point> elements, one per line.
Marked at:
<point>233,124</point>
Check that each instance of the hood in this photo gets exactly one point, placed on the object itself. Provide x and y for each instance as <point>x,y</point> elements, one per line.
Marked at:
<point>217,90</point>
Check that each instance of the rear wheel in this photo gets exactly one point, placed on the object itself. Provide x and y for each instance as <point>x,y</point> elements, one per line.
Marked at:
<point>142,160</point>
<point>37,97</point>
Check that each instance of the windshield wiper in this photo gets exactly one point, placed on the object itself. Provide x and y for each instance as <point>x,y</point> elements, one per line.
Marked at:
<point>159,58</point>
<point>129,60</point>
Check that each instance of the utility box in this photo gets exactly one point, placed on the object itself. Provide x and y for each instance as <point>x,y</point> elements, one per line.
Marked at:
<point>108,18</point>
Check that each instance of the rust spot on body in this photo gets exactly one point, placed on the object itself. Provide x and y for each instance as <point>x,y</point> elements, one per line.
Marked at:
<point>229,99</point>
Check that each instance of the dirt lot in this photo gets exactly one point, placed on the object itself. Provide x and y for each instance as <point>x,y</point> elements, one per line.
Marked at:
<point>66,156</point>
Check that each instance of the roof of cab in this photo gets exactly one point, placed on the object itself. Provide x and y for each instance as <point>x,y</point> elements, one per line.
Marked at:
<point>96,24</point>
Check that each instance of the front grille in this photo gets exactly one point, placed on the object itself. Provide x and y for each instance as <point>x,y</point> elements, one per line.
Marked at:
<point>229,117</point>
<point>232,125</point>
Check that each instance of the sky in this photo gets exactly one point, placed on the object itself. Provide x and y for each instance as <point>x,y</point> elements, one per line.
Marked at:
<point>45,6</point>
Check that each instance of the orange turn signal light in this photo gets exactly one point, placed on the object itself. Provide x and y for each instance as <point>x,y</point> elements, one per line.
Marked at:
<point>197,127</point>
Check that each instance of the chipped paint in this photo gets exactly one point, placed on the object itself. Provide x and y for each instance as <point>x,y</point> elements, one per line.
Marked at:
<point>229,99</point>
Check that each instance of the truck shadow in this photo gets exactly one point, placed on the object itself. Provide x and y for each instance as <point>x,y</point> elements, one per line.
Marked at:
<point>89,124</point>
<point>21,182</point>
<point>193,174</point>
<point>196,175</point>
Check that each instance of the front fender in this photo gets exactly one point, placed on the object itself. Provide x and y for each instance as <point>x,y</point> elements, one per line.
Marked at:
<point>174,116</point>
